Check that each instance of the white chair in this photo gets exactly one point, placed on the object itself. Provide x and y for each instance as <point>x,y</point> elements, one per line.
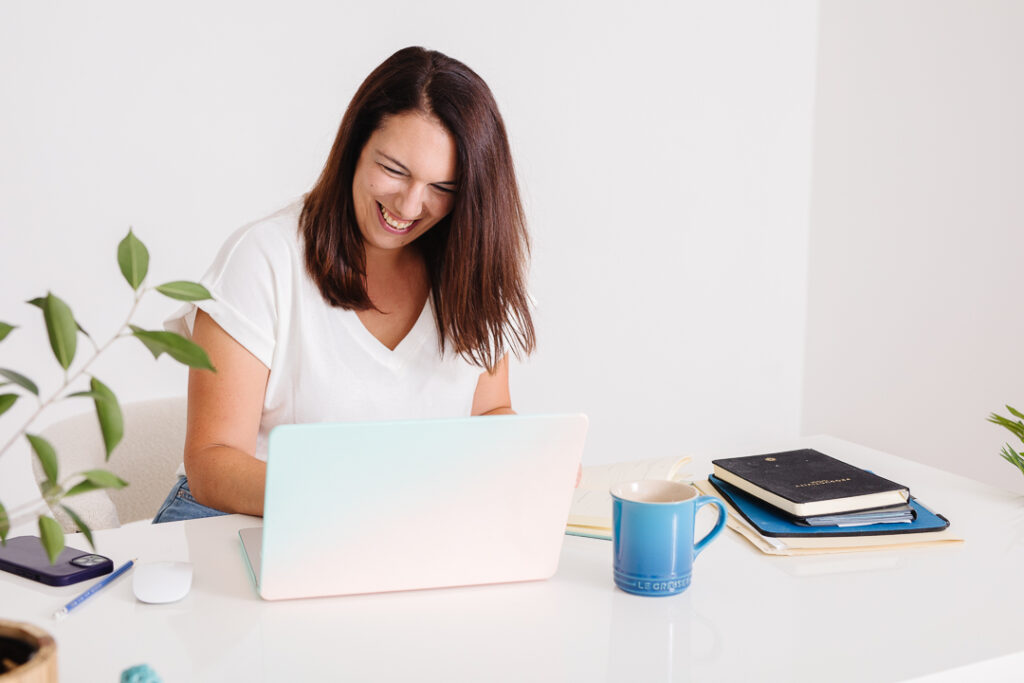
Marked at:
<point>147,458</point>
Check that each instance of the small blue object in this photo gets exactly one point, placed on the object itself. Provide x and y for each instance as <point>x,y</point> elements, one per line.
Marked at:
<point>95,588</point>
<point>653,545</point>
<point>140,674</point>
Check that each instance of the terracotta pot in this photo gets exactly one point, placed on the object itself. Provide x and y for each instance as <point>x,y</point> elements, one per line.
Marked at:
<point>30,650</point>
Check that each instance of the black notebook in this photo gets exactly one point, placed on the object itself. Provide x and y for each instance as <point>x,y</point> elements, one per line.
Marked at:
<point>806,483</point>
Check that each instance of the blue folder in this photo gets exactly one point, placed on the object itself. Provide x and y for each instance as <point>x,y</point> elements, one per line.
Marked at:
<point>770,521</point>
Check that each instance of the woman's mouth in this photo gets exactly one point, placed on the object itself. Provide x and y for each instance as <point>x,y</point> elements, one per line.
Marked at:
<point>391,223</point>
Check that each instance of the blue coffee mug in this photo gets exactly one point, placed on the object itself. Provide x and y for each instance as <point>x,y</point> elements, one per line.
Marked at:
<point>652,535</point>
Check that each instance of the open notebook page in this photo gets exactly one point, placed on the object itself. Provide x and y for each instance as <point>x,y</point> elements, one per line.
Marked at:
<point>592,504</point>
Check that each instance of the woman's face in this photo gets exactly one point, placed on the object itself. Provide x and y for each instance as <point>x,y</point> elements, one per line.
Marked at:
<point>404,181</point>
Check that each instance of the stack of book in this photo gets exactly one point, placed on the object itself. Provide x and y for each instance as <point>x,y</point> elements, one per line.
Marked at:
<point>806,502</point>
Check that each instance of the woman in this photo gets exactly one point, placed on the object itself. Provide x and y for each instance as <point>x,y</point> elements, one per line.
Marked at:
<point>394,290</point>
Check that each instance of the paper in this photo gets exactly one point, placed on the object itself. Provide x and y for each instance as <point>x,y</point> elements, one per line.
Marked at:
<point>591,511</point>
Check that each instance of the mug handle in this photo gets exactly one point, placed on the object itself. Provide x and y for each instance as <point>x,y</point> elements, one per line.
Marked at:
<point>698,504</point>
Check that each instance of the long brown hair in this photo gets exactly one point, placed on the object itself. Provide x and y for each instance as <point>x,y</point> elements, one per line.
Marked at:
<point>476,256</point>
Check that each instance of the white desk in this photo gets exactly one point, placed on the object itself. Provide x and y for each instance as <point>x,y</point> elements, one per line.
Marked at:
<point>880,616</point>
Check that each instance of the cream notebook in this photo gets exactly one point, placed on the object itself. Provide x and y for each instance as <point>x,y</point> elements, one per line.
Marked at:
<point>591,513</point>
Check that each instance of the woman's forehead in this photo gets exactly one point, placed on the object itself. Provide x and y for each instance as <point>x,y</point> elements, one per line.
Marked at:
<point>418,142</point>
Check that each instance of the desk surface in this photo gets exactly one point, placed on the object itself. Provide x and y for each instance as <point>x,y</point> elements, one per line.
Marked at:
<point>878,616</point>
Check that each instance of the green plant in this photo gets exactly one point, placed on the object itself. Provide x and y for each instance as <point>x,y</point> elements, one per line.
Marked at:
<point>63,331</point>
<point>1017,428</point>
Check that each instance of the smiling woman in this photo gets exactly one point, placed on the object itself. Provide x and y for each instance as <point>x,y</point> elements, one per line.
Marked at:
<point>394,289</point>
<point>442,117</point>
<point>381,181</point>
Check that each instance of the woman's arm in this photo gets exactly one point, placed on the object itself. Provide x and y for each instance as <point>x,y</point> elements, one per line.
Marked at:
<point>224,411</point>
<point>492,396</point>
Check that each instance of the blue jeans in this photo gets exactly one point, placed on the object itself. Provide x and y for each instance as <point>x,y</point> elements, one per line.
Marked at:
<point>180,505</point>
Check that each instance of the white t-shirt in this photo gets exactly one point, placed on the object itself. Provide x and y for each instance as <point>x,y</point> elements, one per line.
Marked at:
<point>325,366</point>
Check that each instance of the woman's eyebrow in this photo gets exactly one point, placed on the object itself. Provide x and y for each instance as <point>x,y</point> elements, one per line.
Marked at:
<point>395,161</point>
<point>402,166</point>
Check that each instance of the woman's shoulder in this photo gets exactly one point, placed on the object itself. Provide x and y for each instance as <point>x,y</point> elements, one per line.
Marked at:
<point>270,241</point>
<point>275,233</point>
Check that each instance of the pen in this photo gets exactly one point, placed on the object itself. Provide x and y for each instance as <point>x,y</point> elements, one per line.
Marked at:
<point>93,590</point>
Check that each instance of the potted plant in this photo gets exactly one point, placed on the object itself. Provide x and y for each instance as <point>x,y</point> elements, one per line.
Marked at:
<point>28,653</point>
<point>1016,427</point>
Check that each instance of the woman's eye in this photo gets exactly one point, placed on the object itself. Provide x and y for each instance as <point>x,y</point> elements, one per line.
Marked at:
<point>392,171</point>
<point>445,190</point>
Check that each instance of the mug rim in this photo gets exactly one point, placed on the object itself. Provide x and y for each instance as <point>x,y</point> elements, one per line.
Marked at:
<point>617,490</point>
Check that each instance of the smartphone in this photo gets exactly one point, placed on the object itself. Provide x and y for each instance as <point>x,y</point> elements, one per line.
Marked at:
<point>25,556</point>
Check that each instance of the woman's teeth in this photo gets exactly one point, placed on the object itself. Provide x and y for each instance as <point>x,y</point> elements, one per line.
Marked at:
<point>392,221</point>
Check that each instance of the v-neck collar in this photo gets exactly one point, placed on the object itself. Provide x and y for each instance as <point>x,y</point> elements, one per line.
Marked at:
<point>396,358</point>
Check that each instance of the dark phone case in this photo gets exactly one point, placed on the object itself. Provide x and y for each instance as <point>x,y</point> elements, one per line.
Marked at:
<point>25,556</point>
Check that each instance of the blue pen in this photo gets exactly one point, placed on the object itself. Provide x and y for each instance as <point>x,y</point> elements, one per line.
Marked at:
<point>93,590</point>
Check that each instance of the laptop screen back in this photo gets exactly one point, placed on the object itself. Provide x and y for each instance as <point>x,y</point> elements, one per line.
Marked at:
<point>379,506</point>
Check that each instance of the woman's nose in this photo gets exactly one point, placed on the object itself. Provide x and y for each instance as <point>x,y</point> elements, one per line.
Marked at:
<point>410,202</point>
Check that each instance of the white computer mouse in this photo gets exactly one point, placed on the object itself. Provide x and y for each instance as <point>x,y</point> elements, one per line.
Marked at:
<point>160,582</point>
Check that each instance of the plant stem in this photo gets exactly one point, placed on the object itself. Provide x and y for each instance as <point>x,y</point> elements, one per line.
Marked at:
<point>70,380</point>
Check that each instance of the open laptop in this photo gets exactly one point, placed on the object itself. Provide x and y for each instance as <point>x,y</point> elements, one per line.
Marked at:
<point>365,507</point>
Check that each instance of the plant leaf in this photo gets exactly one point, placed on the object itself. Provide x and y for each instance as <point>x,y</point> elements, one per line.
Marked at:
<point>133,258</point>
<point>182,290</point>
<point>995,418</point>
<point>95,480</point>
<point>61,326</point>
<point>108,412</point>
<point>82,487</point>
<point>6,401</point>
<point>1017,428</point>
<point>5,329</point>
<point>47,457</point>
<point>82,526</point>
<point>1013,457</point>
<point>5,525</point>
<point>156,349</point>
<point>52,493</point>
<point>1010,408</point>
<point>104,479</point>
<point>52,537</point>
<point>177,347</point>
<point>39,301</point>
<point>86,394</point>
<point>20,380</point>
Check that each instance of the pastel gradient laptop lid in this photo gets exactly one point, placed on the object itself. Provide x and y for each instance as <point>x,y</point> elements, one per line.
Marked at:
<point>365,507</point>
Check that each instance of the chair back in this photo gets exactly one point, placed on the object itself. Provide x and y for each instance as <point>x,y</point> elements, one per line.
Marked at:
<point>147,458</point>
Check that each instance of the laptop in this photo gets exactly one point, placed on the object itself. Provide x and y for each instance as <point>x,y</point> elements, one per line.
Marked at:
<point>366,507</point>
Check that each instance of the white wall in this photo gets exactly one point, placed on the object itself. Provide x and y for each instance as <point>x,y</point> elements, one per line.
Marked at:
<point>914,319</point>
<point>664,153</point>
